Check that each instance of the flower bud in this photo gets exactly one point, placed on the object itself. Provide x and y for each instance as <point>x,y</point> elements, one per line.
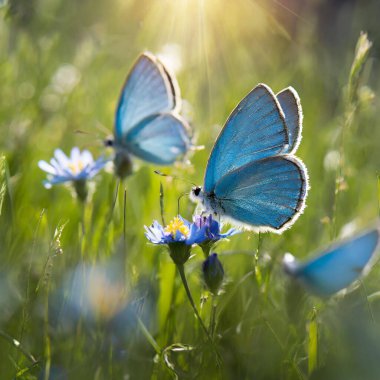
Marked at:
<point>213,273</point>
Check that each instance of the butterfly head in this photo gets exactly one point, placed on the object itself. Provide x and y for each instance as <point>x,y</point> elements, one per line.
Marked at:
<point>109,141</point>
<point>197,194</point>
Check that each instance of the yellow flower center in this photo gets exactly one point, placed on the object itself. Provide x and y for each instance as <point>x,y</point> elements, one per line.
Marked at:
<point>76,167</point>
<point>177,225</point>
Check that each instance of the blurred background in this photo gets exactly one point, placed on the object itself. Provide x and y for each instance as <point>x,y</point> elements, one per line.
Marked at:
<point>72,303</point>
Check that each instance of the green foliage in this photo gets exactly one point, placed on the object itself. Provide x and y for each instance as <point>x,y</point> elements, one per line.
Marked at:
<point>62,64</point>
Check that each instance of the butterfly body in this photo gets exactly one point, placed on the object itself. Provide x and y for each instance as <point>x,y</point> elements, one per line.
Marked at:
<point>252,178</point>
<point>337,267</point>
<point>123,163</point>
<point>147,121</point>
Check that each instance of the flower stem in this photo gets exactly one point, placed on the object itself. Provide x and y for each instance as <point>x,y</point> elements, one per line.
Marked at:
<point>213,315</point>
<point>124,220</point>
<point>206,248</point>
<point>181,271</point>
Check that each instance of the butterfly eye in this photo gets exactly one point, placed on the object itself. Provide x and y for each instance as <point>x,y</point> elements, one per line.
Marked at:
<point>108,141</point>
<point>196,191</point>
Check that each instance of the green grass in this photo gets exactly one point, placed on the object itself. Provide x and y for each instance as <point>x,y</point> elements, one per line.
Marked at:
<point>266,327</point>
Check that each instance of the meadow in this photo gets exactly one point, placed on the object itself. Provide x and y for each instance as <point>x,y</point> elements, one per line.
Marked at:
<point>83,293</point>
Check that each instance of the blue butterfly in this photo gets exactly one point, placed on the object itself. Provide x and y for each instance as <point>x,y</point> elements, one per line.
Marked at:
<point>147,123</point>
<point>337,267</point>
<point>252,177</point>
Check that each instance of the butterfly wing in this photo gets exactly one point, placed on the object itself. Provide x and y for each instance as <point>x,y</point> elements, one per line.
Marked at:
<point>148,90</point>
<point>265,195</point>
<point>255,129</point>
<point>340,266</point>
<point>159,138</point>
<point>291,106</point>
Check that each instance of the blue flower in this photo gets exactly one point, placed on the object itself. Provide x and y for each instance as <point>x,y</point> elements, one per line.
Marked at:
<point>176,235</point>
<point>205,231</point>
<point>213,273</point>
<point>79,167</point>
<point>178,230</point>
<point>180,235</point>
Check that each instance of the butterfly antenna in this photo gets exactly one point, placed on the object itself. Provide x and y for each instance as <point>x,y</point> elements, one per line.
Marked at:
<point>83,132</point>
<point>94,137</point>
<point>103,129</point>
<point>160,173</point>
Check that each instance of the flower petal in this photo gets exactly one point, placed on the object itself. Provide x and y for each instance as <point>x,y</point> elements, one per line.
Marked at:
<point>87,158</point>
<point>197,235</point>
<point>43,165</point>
<point>75,154</point>
<point>96,166</point>
<point>230,232</point>
<point>59,179</point>
<point>57,166</point>
<point>61,158</point>
<point>154,235</point>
